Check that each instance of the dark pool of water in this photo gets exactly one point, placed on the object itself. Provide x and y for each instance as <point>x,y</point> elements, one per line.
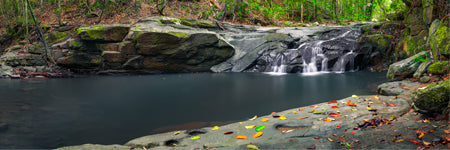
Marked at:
<point>115,109</point>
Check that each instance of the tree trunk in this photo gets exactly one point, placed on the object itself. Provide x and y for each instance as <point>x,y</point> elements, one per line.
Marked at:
<point>161,6</point>
<point>336,6</point>
<point>59,13</point>
<point>103,7</point>
<point>48,54</point>
<point>301,11</point>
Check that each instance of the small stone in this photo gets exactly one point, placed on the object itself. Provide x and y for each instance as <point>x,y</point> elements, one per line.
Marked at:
<point>424,79</point>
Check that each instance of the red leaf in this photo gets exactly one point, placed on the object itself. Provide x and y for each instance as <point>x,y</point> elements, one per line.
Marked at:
<point>353,132</point>
<point>334,134</point>
<point>316,137</point>
<point>421,131</point>
<point>341,139</point>
<point>334,107</point>
<point>392,104</point>
<point>332,101</point>
<point>228,132</point>
<point>333,114</point>
<point>432,130</point>
<point>302,117</point>
<point>312,147</point>
<point>338,126</point>
<point>414,141</point>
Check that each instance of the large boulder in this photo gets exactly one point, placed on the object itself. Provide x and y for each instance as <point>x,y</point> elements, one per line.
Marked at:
<point>406,67</point>
<point>178,48</point>
<point>440,41</point>
<point>422,69</point>
<point>112,33</point>
<point>12,59</point>
<point>434,99</point>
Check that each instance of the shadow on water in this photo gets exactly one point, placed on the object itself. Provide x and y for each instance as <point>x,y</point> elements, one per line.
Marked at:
<point>114,109</point>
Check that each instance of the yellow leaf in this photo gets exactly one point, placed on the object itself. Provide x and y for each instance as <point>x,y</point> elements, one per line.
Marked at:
<point>329,139</point>
<point>249,127</point>
<point>293,111</point>
<point>328,119</point>
<point>195,137</point>
<point>369,108</point>
<point>421,135</point>
<point>250,146</point>
<point>354,96</point>
<point>253,118</point>
<point>215,128</point>
<point>283,118</point>
<point>176,133</point>
<point>241,137</point>
<point>359,101</point>
<point>426,143</point>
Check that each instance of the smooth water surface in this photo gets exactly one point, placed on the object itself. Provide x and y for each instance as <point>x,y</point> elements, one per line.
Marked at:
<point>115,109</point>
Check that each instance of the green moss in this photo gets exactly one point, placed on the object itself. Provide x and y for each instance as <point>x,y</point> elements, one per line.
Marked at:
<point>205,24</point>
<point>439,68</point>
<point>433,100</point>
<point>180,34</point>
<point>91,32</point>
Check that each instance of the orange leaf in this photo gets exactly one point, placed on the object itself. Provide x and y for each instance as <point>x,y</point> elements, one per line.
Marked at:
<point>273,113</point>
<point>328,119</point>
<point>228,132</point>
<point>241,137</point>
<point>447,138</point>
<point>302,117</point>
<point>353,132</point>
<point>334,107</point>
<point>432,130</point>
<point>301,109</point>
<point>264,119</point>
<point>257,134</point>
<point>447,131</point>
<point>312,111</point>
<point>421,135</point>
<point>392,104</point>
<point>332,101</point>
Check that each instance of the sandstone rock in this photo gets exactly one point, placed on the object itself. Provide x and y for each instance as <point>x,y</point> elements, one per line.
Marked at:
<point>390,89</point>
<point>404,68</point>
<point>434,99</point>
<point>80,60</point>
<point>422,69</point>
<point>13,60</point>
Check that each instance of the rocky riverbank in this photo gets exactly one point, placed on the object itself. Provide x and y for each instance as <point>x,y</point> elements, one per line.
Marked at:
<point>356,122</point>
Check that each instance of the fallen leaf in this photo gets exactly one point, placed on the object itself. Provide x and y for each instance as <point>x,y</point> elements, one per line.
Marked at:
<point>229,132</point>
<point>283,118</point>
<point>447,131</point>
<point>241,137</point>
<point>257,134</point>
<point>348,144</point>
<point>338,112</point>
<point>370,104</point>
<point>421,131</point>
<point>359,101</point>
<point>426,143</point>
<point>354,96</point>
<point>301,109</point>
<point>392,104</point>
<point>312,111</point>
<point>293,111</point>
<point>259,128</point>
<point>273,113</point>
<point>397,140</point>
<point>195,137</point>
<point>250,146</point>
<point>334,134</point>
<point>353,132</point>
<point>334,107</point>
<point>332,101</point>
<point>302,117</point>
<point>333,114</point>
<point>276,115</point>
<point>328,119</point>
<point>329,139</point>
<point>316,138</point>
<point>414,141</point>
<point>265,119</point>
<point>253,118</point>
<point>447,138</point>
<point>354,109</point>
<point>432,130</point>
<point>368,108</point>
<point>338,126</point>
<point>249,127</point>
<point>312,147</point>
<point>324,109</point>
<point>215,128</point>
<point>341,139</point>
<point>350,103</point>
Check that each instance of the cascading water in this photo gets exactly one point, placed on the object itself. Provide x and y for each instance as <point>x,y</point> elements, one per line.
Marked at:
<point>339,66</point>
<point>280,64</point>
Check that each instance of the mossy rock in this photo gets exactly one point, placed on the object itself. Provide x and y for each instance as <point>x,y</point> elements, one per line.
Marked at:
<point>37,48</point>
<point>434,99</point>
<point>382,41</point>
<point>110,33</point>
<point>54,37</point>
<point>440,40</point>
<point>94,146</point>
<point>439,68</point>
<point>405,68</point>
<point>422,69</point>
<point>414,44</point>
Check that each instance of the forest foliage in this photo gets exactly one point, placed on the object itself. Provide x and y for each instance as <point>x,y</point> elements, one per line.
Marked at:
<point>15,14</point>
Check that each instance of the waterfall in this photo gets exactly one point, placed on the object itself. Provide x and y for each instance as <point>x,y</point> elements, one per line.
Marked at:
<point>339,66</point>
<point>279,64</point>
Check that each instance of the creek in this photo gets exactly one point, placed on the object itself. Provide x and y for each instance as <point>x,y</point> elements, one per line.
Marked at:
<point>52,113</point>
